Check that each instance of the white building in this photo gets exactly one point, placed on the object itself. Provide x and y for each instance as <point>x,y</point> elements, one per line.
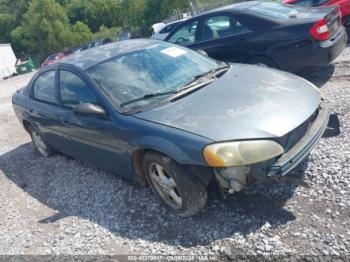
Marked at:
<point>7,61</point>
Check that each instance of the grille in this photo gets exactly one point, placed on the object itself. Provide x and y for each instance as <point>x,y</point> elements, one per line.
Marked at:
<point>293,137</point>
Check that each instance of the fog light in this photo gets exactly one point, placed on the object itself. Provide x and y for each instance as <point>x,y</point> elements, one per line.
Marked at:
<point>233,179</point>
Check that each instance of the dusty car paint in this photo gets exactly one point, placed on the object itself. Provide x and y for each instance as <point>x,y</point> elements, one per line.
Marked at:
<point>236,106</point>
<point>247,102</point>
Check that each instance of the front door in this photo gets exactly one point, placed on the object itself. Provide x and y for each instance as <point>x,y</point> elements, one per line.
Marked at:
<point>95,139</point>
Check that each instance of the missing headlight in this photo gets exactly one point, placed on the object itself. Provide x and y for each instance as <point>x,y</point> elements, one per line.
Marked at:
<point>232,179</point>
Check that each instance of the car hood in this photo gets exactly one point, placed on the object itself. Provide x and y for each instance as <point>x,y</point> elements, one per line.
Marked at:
<point>247,102</point>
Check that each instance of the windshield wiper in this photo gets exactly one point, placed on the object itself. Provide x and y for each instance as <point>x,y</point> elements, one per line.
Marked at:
<point>188,85</point>
<point>211,72</point>
<point>147,96</point>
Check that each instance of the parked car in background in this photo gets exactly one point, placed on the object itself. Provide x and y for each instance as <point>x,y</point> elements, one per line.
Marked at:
<point>54,58</point>
<point>99,42</point>
<point>75,50</point>
<point>164,32</point>
<point>124,36</point>
<point>344,6</point>
<point>265,33</point>
<point>140,109</point>
<point>155,28</point>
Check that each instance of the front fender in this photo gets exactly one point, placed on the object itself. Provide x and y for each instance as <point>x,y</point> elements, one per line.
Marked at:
<point>168,148</point>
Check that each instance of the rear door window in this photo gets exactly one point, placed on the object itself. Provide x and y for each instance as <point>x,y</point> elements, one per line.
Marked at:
<point>186,34</point>
<point>168,28</point>
<point>74,91</point>
<point>221,26</point>
<point>44,88</point>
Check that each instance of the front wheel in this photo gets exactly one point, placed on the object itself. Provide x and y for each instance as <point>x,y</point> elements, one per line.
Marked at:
<point>40,145</point>
<point>182,193</point>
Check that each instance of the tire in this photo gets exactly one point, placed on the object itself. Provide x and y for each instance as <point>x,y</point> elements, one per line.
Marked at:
<point>41,147</point>
<point>346,23</point>
<point>181,193</point>
<point>263,61</point>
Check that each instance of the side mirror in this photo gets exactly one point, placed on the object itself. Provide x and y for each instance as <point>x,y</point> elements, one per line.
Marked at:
<point>88,109</point>
<point>202,52</point>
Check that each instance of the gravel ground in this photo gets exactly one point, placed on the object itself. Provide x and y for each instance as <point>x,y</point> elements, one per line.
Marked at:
<point>62,206</point>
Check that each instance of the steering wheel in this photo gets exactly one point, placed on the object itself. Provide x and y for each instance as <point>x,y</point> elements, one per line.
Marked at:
<point>180,41</point>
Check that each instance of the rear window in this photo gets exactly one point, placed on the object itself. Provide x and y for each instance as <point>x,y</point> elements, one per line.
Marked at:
<point>274,10</point>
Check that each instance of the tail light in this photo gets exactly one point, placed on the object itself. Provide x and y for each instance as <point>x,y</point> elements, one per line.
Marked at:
<point>320,30</point>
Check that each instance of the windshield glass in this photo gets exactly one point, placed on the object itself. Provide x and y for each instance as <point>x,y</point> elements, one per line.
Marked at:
<point>158,68</point>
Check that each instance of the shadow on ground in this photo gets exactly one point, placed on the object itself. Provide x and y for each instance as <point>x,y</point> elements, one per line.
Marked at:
<point>131,211</point>
<point>319,76</point>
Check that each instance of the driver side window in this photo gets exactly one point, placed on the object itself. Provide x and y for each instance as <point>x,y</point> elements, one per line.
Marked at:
<point>73,90</point>
<point>185,35</point>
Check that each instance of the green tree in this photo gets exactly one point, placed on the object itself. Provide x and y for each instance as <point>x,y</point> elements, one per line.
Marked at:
<point>44,29</point>
<point>82,33</point>
<point>11,13</point>
<point>158,10</point>
<point>141,14</point>
<point>94,13</point>
<point>105,32</point>
<point>133,15</point>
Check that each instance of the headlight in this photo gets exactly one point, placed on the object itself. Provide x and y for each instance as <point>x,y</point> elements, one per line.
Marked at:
<point>240,153</point>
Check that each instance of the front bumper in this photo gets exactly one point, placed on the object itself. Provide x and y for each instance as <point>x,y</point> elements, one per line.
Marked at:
<point>300,151</point>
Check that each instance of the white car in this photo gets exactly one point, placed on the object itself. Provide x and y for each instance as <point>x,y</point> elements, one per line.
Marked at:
<point>163,32</point>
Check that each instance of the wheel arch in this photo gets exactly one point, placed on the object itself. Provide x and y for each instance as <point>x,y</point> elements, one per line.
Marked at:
<point>137,161</point>
<point>203,173</point>
<point>261,56</point>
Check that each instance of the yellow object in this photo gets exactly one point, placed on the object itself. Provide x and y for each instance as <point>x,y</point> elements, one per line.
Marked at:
<point>240,153</point>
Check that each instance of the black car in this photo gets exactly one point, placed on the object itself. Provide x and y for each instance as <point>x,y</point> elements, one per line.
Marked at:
<point>265,33</point>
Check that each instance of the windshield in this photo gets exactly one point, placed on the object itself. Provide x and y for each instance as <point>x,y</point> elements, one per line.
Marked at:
<point>159,68</point>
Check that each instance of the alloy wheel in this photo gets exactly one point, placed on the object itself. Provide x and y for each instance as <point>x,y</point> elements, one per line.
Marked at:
<point>165,186</point>
<point>39,144</point>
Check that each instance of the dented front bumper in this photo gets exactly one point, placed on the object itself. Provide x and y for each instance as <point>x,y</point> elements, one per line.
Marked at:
<point>235,179</point>
<point>300,151</point>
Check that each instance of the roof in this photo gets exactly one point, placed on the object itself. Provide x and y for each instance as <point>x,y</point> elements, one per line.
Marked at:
<point>96,55</point>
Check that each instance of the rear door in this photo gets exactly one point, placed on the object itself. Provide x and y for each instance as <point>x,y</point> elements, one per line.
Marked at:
<point>224,38</point>
<point>44,111</point>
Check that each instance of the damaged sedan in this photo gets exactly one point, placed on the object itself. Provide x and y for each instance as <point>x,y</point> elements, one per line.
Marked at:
<point>173,119</point>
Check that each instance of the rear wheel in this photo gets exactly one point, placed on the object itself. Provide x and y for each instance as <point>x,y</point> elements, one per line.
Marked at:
<point>184,195</point>
<point>40,145</point>
<point>263,61</point>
